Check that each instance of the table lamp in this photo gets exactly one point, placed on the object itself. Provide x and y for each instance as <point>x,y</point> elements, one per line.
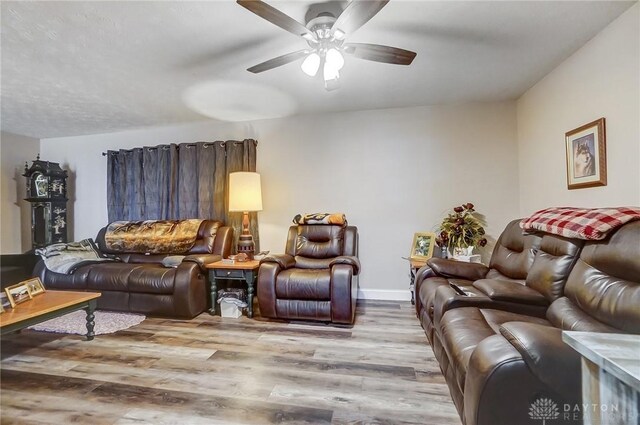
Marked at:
<point>245,195</point>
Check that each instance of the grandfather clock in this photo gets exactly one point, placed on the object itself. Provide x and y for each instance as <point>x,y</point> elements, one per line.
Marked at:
<point>47,193</point>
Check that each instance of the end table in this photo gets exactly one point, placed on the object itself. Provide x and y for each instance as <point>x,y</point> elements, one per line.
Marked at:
<point>246,271</point>
<point>414,266</point>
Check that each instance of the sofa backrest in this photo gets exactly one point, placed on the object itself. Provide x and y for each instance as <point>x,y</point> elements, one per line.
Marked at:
<point>513,254</point>
<point>602,292</point>
<point>205,244</point>
<point>315,245</point>
<point>552,264</point>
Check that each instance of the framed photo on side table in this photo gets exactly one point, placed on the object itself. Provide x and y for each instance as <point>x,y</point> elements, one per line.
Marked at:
<point>422,246</point>
<point>586,156</point>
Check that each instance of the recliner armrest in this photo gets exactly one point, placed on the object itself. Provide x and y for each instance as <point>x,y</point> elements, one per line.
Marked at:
<point>547,356</point>
<point>502,290</point>
<point>452,268</point>
<point>285,261</point>
<point>349,260</point>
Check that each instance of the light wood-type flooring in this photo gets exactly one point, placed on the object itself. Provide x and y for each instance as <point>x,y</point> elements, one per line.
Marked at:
<point>230,371</point>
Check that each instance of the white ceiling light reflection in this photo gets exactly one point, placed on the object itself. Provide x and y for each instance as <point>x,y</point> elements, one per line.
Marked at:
<point>228,100</point>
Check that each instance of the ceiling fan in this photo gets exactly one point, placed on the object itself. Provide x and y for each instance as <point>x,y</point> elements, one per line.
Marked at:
<point>326,36</point>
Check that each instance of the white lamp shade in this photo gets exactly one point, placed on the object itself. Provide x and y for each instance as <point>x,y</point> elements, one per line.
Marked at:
<point>245,192</point>
<point>330,73</point>
<point>311,64</point>
<point>334,59</point>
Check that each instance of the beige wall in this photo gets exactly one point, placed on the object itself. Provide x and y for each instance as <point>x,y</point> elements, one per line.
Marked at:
<point>15,218</point>
<point>393,172</point>
<point>602,79</point>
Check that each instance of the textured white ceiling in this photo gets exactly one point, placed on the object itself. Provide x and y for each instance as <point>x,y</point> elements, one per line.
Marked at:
<point>71,68</point>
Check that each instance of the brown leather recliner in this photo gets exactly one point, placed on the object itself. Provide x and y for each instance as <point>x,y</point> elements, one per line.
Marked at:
<point>317,277</point>
<point>141,284</point>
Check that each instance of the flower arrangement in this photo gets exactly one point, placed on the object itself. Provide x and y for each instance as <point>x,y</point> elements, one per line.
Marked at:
<point>461,229</point>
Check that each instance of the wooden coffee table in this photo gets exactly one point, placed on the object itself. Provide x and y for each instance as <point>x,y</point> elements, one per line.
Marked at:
<point>47,306</point>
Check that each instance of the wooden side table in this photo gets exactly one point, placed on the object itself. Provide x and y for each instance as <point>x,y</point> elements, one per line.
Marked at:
<point>246,271</point>
<point>414,266</point>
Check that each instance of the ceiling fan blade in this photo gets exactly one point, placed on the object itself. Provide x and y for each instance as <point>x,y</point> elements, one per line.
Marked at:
<point>276,17</point>
<point>357,13</point>
<point>279,61</point>
<point>379,53</point>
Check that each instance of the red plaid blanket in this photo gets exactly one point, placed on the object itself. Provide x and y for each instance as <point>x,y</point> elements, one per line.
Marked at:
<point>589,224</point>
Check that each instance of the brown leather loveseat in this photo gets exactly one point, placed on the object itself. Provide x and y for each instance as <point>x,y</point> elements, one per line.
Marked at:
<point>141,284</point>
<point>500,346</point>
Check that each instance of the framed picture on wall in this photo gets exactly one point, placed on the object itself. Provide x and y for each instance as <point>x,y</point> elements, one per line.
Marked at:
<point>587,156</point>
<point>422,246</point>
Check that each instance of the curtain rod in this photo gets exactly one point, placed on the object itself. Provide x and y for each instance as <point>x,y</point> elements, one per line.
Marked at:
<point>188,145</point>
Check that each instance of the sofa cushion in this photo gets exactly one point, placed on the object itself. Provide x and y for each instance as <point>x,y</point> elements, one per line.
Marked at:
<point>462,329</point>
<point>110,277</point>
<point>552,264</point>
<point>500,290</point>
<point>564,314</point>
<point>514,252</point>
<point>152,279</point>
<point>605,282</point>
<point>304,284</point>
<point>123,277</point>
<point>319,241</point>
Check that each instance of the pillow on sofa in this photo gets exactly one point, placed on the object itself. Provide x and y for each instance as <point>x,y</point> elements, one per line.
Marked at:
<point>172,260</point>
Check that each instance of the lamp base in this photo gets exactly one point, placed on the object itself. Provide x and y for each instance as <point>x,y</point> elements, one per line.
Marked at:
<point>246,246</point>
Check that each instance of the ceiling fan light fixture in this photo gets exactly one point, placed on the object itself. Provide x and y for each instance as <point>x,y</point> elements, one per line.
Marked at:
<point>330,72</point>
<point>334,59</point>
<point>311,64</point>
<point>339,35</point>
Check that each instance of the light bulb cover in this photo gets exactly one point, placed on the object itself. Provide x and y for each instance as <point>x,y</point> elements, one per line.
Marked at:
<point>334,57</point>
<point>330,71</point>
<point>311,64</point>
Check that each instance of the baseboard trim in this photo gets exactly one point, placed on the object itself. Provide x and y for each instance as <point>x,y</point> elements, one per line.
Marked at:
<point>384,294</point>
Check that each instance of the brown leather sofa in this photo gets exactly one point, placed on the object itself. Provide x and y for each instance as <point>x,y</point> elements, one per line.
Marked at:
<point>498,357</point>
<point>317,277</point>
<point>141,284</point>
<point>511,260</point>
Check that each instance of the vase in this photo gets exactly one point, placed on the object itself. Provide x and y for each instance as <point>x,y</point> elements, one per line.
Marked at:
<point>461,251</point>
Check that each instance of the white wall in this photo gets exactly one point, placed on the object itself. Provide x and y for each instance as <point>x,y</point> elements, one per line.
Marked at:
<point>602,79</point>
<point>392,172</point>
<point>15,213</point>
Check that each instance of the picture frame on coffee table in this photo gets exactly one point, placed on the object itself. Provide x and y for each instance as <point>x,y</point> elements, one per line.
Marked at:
<point>586,155</point>
<point>35,286</point>
<point>422,246</point>
<point>18,293</point>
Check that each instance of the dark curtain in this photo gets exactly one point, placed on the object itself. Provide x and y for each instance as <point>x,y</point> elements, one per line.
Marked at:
<point>178,181</point>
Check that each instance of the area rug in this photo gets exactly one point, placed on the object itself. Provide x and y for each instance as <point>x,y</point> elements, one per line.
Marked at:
<point>76,323</point>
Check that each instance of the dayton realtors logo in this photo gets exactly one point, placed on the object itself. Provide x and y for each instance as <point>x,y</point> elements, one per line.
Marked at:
<point>543,409</point>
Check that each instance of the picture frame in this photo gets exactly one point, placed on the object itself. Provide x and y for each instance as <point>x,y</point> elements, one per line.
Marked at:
<point>35,286</point>
<point>586,155</point>
<point>422,246</point>
<point>18,293</point>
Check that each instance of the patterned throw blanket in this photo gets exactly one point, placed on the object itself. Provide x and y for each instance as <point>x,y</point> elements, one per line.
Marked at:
<point>589,224</point>
<point>68,257</point>
<point>152,236</point>
<point>321,218</point>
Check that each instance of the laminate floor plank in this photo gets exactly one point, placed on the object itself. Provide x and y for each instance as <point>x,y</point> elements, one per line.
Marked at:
<point>223,371</point>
